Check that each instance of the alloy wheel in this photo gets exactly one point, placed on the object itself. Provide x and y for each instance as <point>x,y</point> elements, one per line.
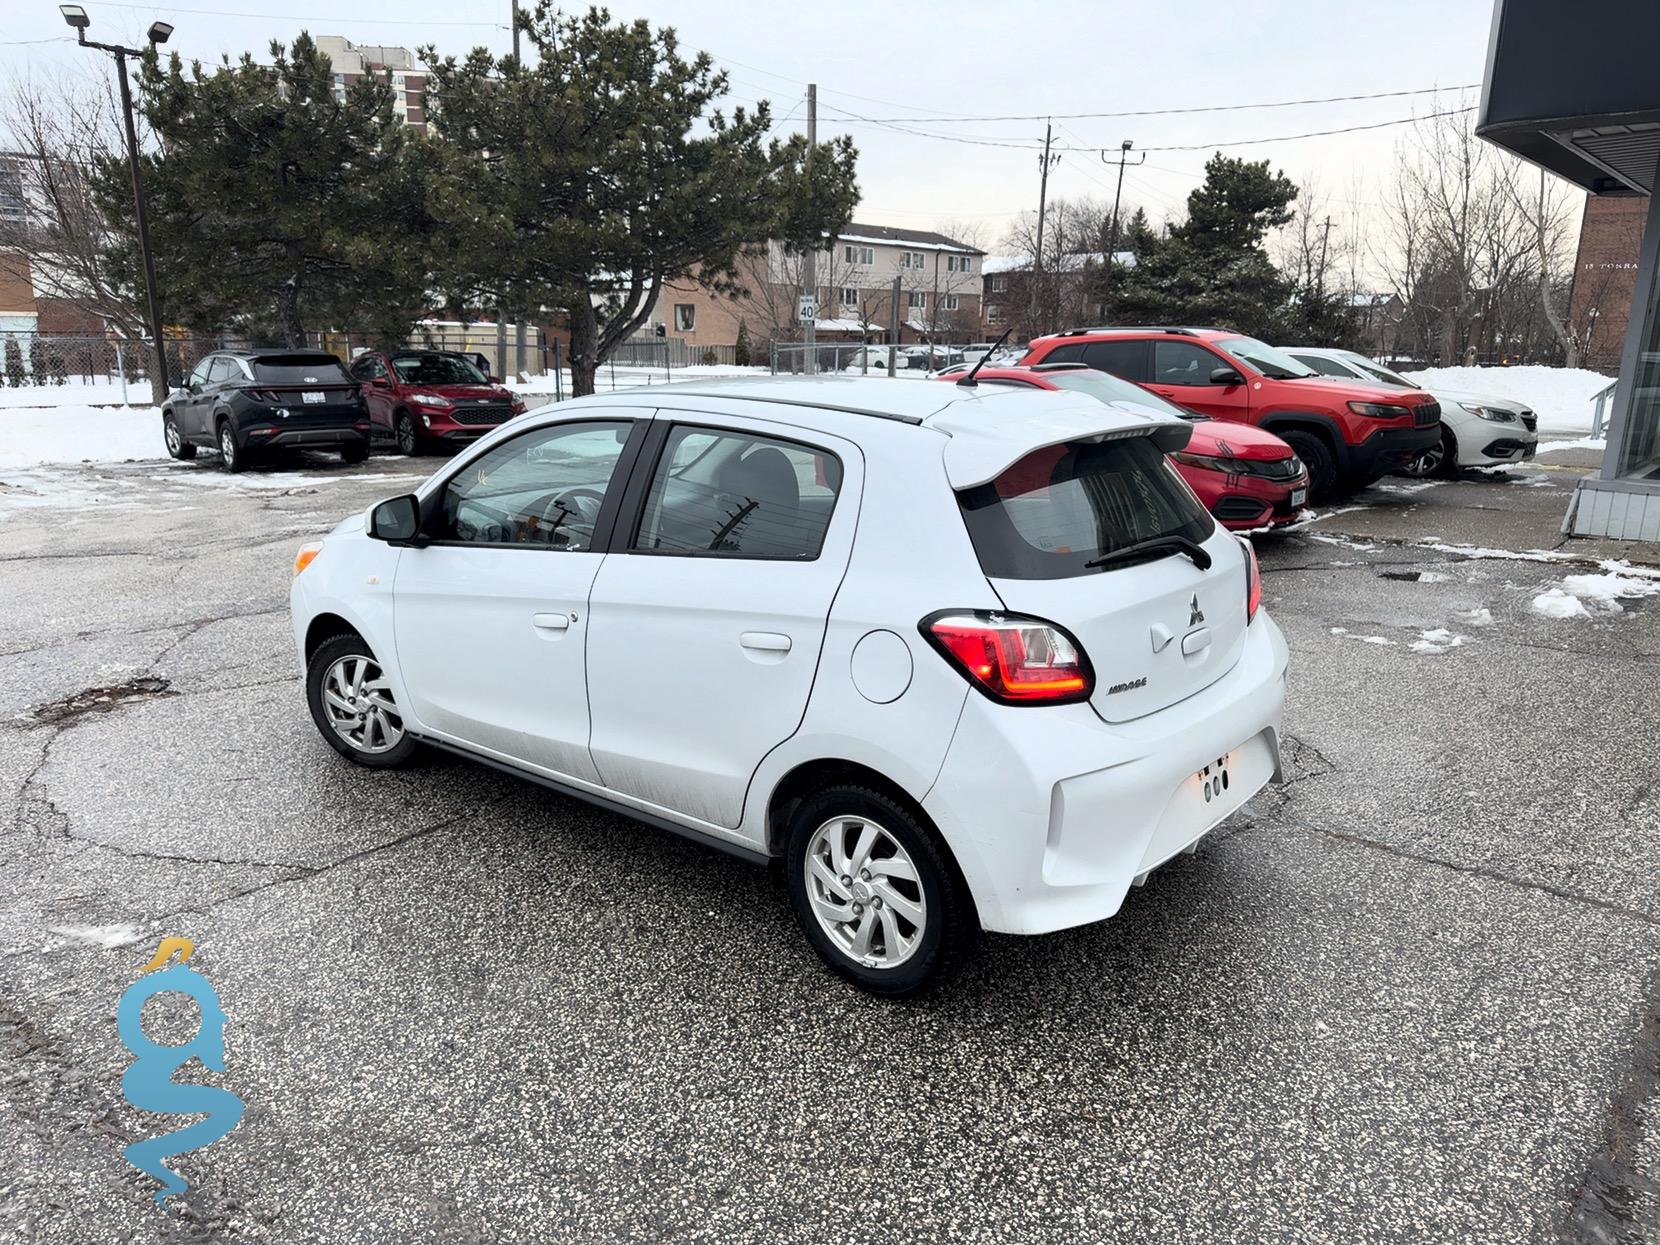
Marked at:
<point>227,444</point>
<point>406,435</point>
<point>1427,463</point>
<point>359,705</point>
<point>170,430</point>
<point>865,892</point>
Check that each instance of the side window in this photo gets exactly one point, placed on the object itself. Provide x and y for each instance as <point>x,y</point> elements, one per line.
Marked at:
<point>223,369</point>
<point>543,489</point>
<point>199,374</point>
<point>368,367</point>
<point>732,494</point>
<point>1323,365</point>
<point>1183,363</point>
<point>1122,358</point>
<point>1072,352</point>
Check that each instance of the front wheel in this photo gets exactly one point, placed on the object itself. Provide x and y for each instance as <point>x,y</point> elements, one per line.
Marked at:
<point>875,893</point>
<point>1439,461</point>
<point>1318,458</point>
<point>404,431</point>
<point>353,706</point>
<point>354,454</point>
<point>177,446</point>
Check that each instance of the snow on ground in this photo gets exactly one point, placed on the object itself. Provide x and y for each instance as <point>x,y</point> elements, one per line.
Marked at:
<point>1581,596</point>
<point>1561,396</point>
<point>77,434</point>
<point>97,393</point>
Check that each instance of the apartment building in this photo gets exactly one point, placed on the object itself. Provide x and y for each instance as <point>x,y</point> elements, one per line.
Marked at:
<point>397,66</point>
<point>939,291</point>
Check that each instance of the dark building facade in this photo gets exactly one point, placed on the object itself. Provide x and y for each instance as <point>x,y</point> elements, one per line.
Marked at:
<point>1605,275</point>
<point>1563,93</point>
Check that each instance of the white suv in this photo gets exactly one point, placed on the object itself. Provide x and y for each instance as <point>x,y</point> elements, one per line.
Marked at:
<point>964,658</point>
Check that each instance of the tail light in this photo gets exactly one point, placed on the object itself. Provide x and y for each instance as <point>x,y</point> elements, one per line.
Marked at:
<point>1253,582</point>
<point>1012,659</point>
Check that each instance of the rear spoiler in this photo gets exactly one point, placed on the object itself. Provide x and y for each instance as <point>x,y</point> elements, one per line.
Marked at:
<point>986,441</point>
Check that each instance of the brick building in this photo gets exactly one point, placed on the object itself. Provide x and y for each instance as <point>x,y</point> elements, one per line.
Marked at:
<point>1605,274</point>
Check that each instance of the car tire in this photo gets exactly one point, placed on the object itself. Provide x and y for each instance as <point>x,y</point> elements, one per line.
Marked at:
<point>177,446</point>
<point>1437,463</point>
<point>339,681</point>
<point>231,455</point>
<point>918,890</point>
<point>1318,458</point>
<point>354,454</point>
<point>403,431</point>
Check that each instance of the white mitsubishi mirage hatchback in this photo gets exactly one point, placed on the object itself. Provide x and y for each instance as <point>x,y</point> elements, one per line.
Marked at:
<point>962,657</point>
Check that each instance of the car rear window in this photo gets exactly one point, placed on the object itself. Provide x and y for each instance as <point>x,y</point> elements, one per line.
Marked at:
<point>1061,507</point>
<point>300,370</point>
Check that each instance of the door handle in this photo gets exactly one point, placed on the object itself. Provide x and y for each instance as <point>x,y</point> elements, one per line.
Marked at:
<point>551,622</point>
<point>765,641</point>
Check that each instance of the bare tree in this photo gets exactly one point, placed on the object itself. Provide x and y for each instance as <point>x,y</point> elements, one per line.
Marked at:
<point>56,133</point>
<point>1549,220</point>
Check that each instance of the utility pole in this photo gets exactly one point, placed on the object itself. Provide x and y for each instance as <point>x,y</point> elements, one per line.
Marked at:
<point>514,7</point>
<point>893,346</point>
<point>1045,163</point>
<point>1320,276</point>
<point>1112,234</point>
<point>809,265</point>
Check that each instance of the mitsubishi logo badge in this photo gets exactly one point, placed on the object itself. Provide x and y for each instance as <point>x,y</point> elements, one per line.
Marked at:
<point>1195,615</point>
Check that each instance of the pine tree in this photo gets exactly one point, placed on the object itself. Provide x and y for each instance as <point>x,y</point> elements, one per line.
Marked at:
<point>273,205</point>
<point>741,351</point>
<point>588,176</point>
<point>15,376</point>
<point>1212,268</point>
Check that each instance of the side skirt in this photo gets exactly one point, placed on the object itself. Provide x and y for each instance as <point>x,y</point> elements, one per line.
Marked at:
<point>749,855</point>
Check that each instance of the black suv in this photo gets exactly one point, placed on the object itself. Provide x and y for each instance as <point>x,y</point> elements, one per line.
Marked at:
<point>243,402</point>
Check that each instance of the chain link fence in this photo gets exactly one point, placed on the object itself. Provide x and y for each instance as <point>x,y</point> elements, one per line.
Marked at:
<point>116,367</point>
<point>857,358</point>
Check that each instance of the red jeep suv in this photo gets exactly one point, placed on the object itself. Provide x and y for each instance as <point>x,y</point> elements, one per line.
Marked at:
<point>427,399</point>
<point>1346,434</point>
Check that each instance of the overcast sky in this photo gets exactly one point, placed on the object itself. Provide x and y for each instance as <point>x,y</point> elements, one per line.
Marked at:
<point>967,59</point>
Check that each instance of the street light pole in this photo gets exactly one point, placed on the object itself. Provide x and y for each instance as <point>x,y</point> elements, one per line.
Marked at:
<point>159,33</point>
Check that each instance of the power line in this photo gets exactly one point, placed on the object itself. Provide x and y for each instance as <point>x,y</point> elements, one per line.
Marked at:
<point>290,17</point>
<point>956,118</point>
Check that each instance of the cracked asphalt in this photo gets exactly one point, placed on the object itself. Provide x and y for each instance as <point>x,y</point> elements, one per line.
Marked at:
<point>1412,995</point>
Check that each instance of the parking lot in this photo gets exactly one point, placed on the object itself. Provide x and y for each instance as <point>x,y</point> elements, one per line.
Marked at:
<point>1410,995</point>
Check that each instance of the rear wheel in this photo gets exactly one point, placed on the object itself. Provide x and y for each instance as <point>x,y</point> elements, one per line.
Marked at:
<point>404,430</point>
<point>177,446</point>
<point>354,454</point>
<point>229,453</point>
<point>874,892</point>
<point>353,706</point>
<point>1318,458</point>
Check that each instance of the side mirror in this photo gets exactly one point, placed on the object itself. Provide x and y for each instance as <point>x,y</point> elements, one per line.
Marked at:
<point>397,521</point>
<point>1226,376</point>
<point>193,387</point>
<point>380,382</point>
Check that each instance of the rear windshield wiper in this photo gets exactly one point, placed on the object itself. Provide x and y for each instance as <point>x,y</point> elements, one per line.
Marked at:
<point>1158,544</point>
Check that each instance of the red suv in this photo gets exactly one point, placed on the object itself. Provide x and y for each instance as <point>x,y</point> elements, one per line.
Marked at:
<point>426,399</point>
<point>1346,434</point>
<point>1249,479</point>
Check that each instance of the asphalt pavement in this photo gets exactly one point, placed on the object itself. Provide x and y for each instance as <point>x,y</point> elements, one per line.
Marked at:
<point>1412,995</point>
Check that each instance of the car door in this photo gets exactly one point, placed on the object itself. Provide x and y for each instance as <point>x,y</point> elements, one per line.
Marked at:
<point>187,411</point>
<point>371,371</point>
<point>491,617</point>
<point>216,395</point>
<point>708,617</point>
<point>1181,371</point>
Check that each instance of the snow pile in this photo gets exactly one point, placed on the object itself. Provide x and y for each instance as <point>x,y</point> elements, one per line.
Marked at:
<point>77,434</point>
<point>1581,596</point>
<point>75,393</point>
<point>1481,616</point>
<point>1437,640</point>
<point>1561,396</point>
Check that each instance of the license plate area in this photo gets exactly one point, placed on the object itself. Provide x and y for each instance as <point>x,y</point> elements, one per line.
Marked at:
<point>314,397</point>
<point>1299,496</point>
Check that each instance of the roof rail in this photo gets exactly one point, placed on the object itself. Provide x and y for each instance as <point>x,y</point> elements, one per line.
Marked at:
<point>1180,330</point>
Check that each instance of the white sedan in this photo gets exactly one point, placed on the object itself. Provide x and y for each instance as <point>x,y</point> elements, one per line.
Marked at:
<point>1477,430</point>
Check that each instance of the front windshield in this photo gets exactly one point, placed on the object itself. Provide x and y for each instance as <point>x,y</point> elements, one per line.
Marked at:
<point>1275,364</point>
<point>1107,388</point>
<point>1381,373</point>
<point>436,369</point>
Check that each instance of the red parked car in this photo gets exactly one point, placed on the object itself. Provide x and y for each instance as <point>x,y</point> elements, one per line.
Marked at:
<point>1348,434</point>
<point>430,399</point>
<point>1245,477</point>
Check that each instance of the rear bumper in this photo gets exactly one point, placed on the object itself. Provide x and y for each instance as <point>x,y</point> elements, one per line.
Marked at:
<point>308,438</point>
<point>1389,448</point>
<point>1053,814</point>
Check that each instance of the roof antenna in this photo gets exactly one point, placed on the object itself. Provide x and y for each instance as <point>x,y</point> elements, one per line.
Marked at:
<point>968,379</point>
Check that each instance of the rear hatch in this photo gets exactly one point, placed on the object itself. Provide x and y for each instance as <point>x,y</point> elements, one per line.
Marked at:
<point>314,390</point>
<point>1052,527</point>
